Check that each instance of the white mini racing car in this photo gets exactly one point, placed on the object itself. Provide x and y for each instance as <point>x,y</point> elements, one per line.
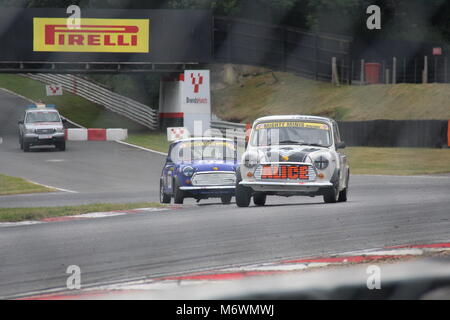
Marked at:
<point>293,155</point>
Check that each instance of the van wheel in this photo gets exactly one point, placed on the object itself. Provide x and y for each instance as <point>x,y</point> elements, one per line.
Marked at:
<point>61,146</point>
<point>26,146</point>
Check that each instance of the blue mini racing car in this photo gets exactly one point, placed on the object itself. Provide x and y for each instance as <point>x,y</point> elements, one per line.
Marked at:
<point>199,168</point>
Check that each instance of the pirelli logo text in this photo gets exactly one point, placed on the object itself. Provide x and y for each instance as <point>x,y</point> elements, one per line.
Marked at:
<point>94,35</point>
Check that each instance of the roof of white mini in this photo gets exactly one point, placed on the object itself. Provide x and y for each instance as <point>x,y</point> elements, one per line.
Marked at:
<point>203,138</point>
<point>293,117</point>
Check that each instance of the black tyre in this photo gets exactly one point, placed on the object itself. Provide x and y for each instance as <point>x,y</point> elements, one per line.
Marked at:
<point>163,197</point>
<point>331,195</point>
<point>61,146</point>
<point>178,195</point>
<point>226,199</point>
<point>343,193</point>
<point>243,196</point>
<point>259,198</point>
<point>343,196</point>
<point>26,146</point>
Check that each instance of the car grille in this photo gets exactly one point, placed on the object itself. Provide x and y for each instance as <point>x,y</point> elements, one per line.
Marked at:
<point>310,172</point>
<point>214,179</point>
<point>45,131</point>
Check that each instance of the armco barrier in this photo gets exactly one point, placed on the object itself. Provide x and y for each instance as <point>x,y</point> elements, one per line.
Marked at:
<point>96,134</point>
<point>229,130</point>
<point>112,101</point>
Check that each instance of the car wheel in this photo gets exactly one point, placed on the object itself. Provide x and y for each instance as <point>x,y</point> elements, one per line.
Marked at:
<point>243,196</point>
<point>259,198</point>
<point>163,197</point>
<point>61,146</point>
<point>331,195</point>
<point>343,193</point>
<point>226,199</point>
<point>178,195</point>
<point>343,196</point>
<point>26,146</point>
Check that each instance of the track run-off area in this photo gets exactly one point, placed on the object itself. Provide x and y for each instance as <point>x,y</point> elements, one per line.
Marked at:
<point>381,211</point>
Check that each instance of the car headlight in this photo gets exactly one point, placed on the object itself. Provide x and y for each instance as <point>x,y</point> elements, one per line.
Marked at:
<point>29,130</point>
<point>321,162</point>
<point>188,171</point>
<point>59,130</point>
<point>250,159</point>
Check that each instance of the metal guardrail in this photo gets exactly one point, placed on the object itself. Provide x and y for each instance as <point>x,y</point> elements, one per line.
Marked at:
<point>112,101</point>
<point>230,129</point>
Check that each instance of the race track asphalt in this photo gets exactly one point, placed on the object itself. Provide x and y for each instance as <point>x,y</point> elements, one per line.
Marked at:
<point>94,171</point>
<point>381,211</point>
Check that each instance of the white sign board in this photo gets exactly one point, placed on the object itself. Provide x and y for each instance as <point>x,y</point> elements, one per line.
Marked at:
<point>54,90</point>
<point>196,99</point>
<point>196,91</point>
<point>177,133</point>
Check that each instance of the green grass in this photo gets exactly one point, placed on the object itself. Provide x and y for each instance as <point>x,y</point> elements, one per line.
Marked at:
<point>155,141</point>
<point>12,185</point>
<point>398,161</point>
<point>286,93</point>
<point>32,214</point>
<point>73,107</point>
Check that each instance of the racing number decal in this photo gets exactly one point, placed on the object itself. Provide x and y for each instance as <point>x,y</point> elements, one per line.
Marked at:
<point>285,172</point>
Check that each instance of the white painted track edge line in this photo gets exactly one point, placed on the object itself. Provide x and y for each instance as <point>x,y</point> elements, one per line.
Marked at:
<point>51,187</point>
<point>141,148</point>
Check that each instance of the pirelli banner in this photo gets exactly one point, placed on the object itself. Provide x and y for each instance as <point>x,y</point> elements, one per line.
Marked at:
<point>159,36</point>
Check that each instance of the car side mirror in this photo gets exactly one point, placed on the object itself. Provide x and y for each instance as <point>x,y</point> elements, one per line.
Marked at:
<point>20,122</point>
<point>340,145</point>
<point>64,120</point>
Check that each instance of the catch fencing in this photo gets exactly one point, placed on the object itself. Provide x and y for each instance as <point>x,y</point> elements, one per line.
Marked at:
<point>426,69</point>
<point>279,47</point>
